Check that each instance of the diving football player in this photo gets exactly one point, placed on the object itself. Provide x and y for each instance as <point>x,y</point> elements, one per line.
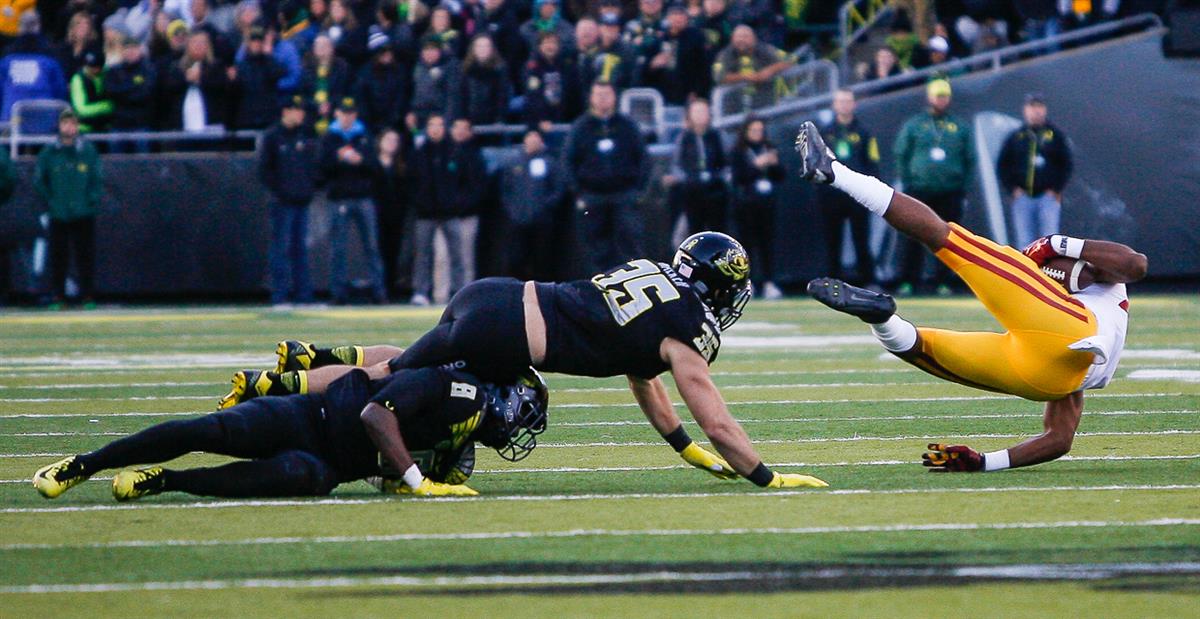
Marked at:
<point>1057,345</point>
<point>639,320</point>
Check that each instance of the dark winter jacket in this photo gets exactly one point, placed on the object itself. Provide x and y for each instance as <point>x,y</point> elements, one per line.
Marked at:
<point>604,155</point>
<point>531,188</point>
<point>347,181</point>
<point>484,94</point>
<point>132,88</point>
<point>451,180</point>
<point>257,87</point>
<point>381,93</point>
<point>435,88</point>
<point>289,163</point>
<point>1035,159</point>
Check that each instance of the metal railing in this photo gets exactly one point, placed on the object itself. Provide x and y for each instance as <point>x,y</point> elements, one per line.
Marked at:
<point>811,79</point>
<point>988,61</point>
<point>855,19</point>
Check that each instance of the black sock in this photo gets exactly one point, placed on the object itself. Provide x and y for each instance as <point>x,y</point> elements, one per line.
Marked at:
<point>337,355</point>
<point>291,473</point>
<point>165,441</point>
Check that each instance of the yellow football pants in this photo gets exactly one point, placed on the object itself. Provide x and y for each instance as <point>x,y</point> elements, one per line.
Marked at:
<point>1031,359</point>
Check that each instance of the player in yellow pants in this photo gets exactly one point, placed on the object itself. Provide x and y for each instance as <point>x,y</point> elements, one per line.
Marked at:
<point>1056,344</point>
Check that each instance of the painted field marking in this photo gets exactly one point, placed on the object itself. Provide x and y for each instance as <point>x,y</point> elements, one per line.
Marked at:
<point>571,533</point>
<point>53,386</point>
<point>638,423</point>
<point>852,439</point>
<point>1187,376</point>
<point>681,467</point>
<point>552,498</point>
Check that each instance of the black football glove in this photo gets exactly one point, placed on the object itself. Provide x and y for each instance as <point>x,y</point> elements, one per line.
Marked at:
<point>943,458</point>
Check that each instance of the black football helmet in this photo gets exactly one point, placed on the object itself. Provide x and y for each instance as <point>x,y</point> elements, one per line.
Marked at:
<point>518,413</point>
<point>718,268</point>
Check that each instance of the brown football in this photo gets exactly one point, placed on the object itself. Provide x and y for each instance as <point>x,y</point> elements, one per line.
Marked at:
<point>1064,271</point>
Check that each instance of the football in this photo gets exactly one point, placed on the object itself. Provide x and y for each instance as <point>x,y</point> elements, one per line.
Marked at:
<point>1073,275</point>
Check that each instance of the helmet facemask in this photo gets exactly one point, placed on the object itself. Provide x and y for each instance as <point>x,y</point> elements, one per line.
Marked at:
<point>519,414</point>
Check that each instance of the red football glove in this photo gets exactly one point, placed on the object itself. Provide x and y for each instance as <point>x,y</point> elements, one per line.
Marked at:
<point>952,458</point>
<point>1040,251</point>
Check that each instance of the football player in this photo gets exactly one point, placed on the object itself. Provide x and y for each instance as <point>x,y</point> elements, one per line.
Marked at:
<point>639,320</point>
<point>1057,345</point>
<point>415,430</point>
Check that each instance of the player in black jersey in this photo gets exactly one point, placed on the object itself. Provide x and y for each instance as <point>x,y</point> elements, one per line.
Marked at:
<point>415,430</point>
<point>640,319</point>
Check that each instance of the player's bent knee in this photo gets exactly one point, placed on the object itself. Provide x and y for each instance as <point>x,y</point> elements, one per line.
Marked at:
<point>308,475</point>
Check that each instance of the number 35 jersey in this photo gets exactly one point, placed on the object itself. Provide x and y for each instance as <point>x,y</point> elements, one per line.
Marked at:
<point>614,323</point>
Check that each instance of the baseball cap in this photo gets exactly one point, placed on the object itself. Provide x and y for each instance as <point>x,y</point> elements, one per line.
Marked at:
<point>347,104</point>
<point>1035,97</point>
<point>93,57</point>
<point>294,102</point>
<point>938,88</point>
<point>939,44</point>
<point>257,33</point>
<point>378,40</point>
<point>610,19</point>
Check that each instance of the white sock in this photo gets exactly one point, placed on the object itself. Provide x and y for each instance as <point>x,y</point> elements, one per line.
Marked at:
<point>867,190</point>
<point>896,335</point>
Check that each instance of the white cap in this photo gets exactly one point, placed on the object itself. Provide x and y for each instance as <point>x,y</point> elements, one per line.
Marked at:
<point>939,44</point>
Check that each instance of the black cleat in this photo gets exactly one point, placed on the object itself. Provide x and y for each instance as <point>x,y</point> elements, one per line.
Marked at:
<point>870,307</point>
<point>816,160</point>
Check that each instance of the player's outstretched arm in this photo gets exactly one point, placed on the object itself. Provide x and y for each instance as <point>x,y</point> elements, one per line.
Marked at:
<point>708,408</point>
<point>1059,423</point>
<point>655,402</point>
<point>384,430</point>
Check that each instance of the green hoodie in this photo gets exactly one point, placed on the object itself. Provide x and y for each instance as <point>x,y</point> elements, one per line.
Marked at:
<point>935,154</point>
<point>68,179</point>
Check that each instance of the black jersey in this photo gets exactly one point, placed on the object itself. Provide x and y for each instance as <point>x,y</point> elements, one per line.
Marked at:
<point>438,410</point>
<point>614,323</point>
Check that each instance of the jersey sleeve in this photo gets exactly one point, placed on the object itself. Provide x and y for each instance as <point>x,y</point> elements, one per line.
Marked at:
<point>700,332</point>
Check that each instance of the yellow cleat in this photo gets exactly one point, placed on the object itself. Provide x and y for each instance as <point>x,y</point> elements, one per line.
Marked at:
<point>246,385</point>
<point>55,479</point>
<point>294,355</point>
<point>130,485</point>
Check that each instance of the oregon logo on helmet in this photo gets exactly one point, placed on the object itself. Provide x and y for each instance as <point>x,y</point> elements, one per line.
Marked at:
<point>734,263</point>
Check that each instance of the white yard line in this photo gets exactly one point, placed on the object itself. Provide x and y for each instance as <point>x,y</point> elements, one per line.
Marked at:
<point>553,498</point>
<point>852,439</point>
<point>1186,376</point>
<point>571,533</point>
<point>53,386</point>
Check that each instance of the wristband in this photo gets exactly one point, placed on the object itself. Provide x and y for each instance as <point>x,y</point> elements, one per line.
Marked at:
<point>413,477</point>
<point>678,438</point>
<point>996,460</point>
<point>1064,245</point>
<point>761,476</point>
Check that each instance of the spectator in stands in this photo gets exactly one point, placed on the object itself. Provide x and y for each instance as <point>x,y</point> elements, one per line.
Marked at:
<point>587,51</point>
<point>92,105</point>
<point>761,16</point>
<point>167,42</point>
<point>67,177</point>
<point>132,84</point>
<point>246,15</point>
<point>614,62</point>
<point>452,179</point>
<point>717,27</point>
<point>856,147</point>
<point>255,81</point>
<point>289,162</point>
<point>531,192</point>
<point>346,164</point>
<point>348,36</point>
<point>903,42</point>
<point>604,163</point>
<point>885,65</point>
<point>382,87</point>
<point>326,81</point>
<point>757,175</point>
<point>754,64</point>
<point>223,47</point>
<point>10,17</point>
<point>296,25</point>
<point>442,32</point>
<point>644,33</point>
<point>935,155</point>
<point>678,67</point>
<point>550,84</point>
<point>500,22</point>
<point>484,89</point>
<point>548,18</point>
<point>983,35</point>
<point>398,28</point>
<point>434,86</point>
<point>284,53</point>
<point>698,171</point>
<point>29,71</point>
<point>392,177</point>
<point>937,51</point>
<point>1034,165</point>
<point>197,88</point>
<point>81,36</point>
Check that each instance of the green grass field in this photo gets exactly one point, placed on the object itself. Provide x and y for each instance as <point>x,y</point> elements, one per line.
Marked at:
<point>604,519</point>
